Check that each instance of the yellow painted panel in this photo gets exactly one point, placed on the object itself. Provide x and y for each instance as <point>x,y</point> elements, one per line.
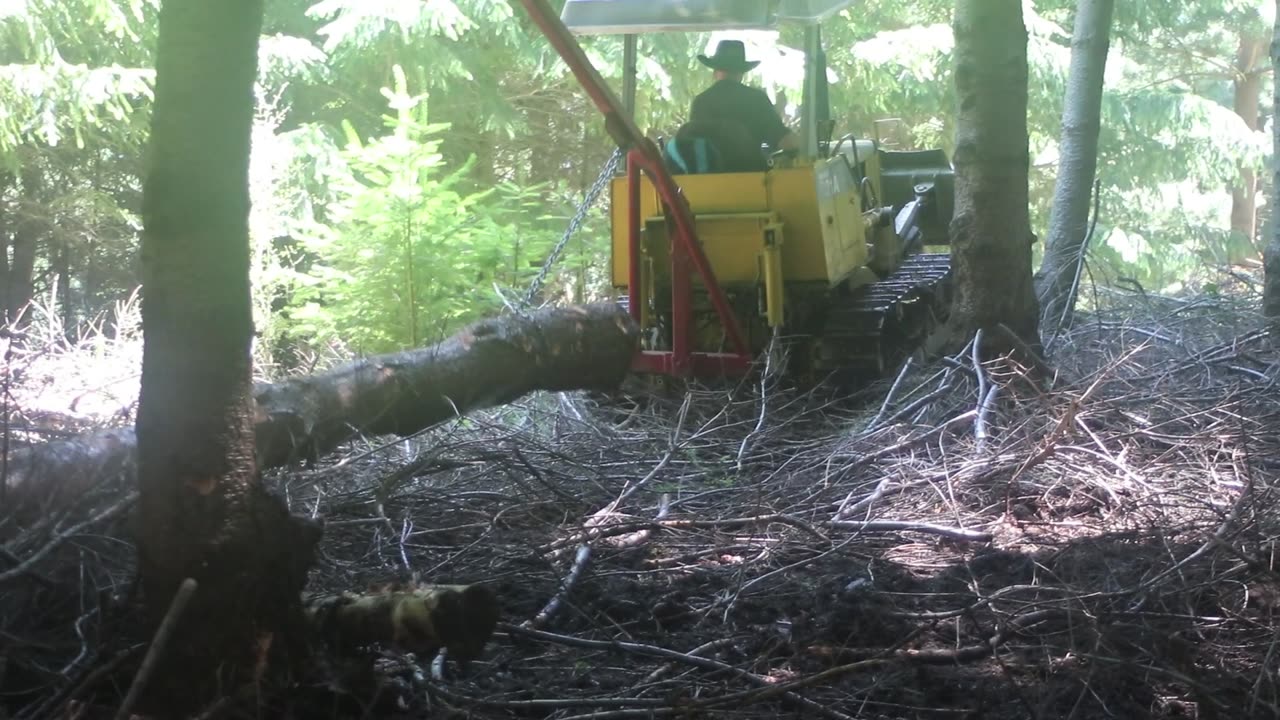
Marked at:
<point>829,217</point>
<point>789,192</point>
<point>844,230</point>
<point>719,193</point>
<point>792,195</point>
<point>733,246</point>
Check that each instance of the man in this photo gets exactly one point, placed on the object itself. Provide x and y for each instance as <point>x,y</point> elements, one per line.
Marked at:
<point>744,111</point>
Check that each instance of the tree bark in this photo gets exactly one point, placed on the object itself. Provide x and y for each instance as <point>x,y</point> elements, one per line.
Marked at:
<point>419,619</point>
<point>492,362</point>
<point>1271,257</point>
<point>991,229</point>
<point>26,233</point>
<point>6,222</point>
<point>60,260</point>
<point>1247,86</point>
<point>1078,162</point>
<point>202,512</point>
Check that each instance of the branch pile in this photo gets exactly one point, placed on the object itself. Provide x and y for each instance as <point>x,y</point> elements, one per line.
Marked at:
<point>957,540</point>
<point>490,363</point>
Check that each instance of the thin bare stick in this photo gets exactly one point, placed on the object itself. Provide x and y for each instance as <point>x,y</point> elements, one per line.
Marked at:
<point>686,658</point>
<point>22,568</point>
<point>893,390</point>
<point>152,658</point>
<point>765,377</point>
<point>915,405</point>
<point>624,528</point>
<point>980,420</point>
<point>674,445</point>
<point>437,664</point>
<point>639,537</point>
<point>978,371</point>
<point>1038,363</point>
<point>905,526</point>
<point>911,442</point>
<point>929,656</point>
<point>702,649</point>
<point>575,571</point>
<point>846,509</point>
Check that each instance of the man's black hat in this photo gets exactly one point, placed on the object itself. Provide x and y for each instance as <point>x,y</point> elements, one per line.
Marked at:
<point>731,56</point>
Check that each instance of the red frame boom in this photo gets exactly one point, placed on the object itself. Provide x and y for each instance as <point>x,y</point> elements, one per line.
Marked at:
<point>643,156</point>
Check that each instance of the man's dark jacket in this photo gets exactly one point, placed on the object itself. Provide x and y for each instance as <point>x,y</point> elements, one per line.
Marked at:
<point>746,112</point>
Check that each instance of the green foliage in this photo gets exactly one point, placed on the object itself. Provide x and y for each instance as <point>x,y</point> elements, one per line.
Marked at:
<point>403,254</point>
<point>1171,144</point>
<point>389,274</point>
<point>375,232</point>
<point>74,69</point>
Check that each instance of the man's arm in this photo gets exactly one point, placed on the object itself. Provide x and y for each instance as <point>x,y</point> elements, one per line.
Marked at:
<point>777,134</point>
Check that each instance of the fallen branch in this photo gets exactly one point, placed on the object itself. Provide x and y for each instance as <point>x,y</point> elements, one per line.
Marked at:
<point>686,658</point>
<point>163,633</point>
<point>580,561</point>
<point>625,528</point>
<point>31,560</point>
<point>947,656</point>
<point>905,526</point>
<point>913,441</point>
<point>489,363</point>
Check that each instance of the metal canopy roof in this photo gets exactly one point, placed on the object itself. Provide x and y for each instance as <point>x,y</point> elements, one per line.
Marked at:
<point>625,17</point>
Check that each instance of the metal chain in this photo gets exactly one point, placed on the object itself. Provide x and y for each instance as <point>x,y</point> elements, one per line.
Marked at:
<point>592,194</point>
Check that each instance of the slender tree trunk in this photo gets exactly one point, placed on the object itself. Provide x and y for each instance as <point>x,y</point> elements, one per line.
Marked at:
<point>6,222</point>
<point>991,229</point>
<point>60,259</point>
<point>1247,87</point>
<point>203,513</point>
<point>1271,258</point>
<point>1081,124</point>
<point>26,234</point>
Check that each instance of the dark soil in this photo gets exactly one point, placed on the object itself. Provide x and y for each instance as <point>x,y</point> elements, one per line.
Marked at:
<point>1128,571</point>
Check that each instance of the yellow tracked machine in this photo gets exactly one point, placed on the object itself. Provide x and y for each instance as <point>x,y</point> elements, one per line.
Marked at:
<point>828,249</point>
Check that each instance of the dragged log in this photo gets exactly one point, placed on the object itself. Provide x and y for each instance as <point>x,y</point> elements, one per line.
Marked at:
<point>420,619</point>
<point>492,362</point>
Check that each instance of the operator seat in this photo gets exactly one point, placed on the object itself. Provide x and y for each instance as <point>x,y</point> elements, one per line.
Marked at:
<point>722,146</point>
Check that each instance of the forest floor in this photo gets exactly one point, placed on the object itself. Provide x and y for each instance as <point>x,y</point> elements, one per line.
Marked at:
<point>1106,549</point>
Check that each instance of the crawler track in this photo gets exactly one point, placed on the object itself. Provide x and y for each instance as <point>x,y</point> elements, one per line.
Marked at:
<point>870,332</point>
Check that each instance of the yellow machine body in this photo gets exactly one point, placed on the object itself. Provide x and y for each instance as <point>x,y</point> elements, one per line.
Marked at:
<point>791,233</point>
<point>826,245</point>
<point>821,217</point>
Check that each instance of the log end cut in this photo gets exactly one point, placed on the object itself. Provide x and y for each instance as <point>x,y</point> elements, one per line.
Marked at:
<point>421,620</point>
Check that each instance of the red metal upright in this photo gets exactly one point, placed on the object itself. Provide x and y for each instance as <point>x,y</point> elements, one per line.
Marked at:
<point>633,237</point>
<point>681,311</point>
<point>643,155</point>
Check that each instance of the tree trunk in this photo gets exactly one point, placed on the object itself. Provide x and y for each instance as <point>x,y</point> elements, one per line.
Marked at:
<point>991,229</point>
<point>489,363</point>
<point>6,221</point>
<point>60,259</point>
<point>26,233</point>
<point>1271,258</point>
<point>202,512</point>
<point>1078,163</point>
<point>1247,87</point>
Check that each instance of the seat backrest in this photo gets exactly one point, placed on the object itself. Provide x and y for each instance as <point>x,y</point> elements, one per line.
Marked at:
<point>697,156</point>
<point>714,147</point>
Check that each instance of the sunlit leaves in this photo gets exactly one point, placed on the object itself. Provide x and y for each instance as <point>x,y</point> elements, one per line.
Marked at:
<point>73,68</point>
<point>404,253</point>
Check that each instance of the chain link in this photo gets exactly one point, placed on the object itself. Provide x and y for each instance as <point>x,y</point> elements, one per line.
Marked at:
<point>593,193</point>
